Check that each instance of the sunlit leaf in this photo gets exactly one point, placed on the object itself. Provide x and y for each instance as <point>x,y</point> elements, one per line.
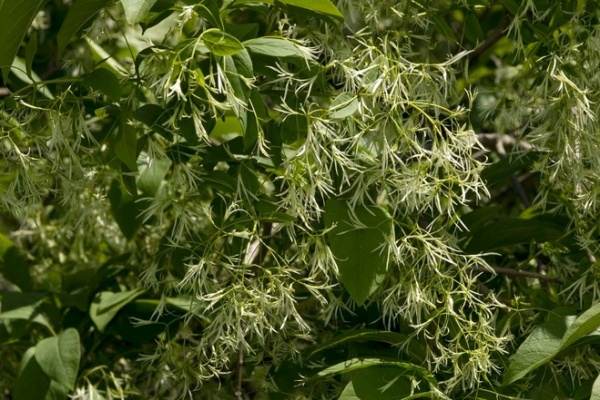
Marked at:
<point>136,10</point>
<point>59,356</point>
<point>107,304</point>
<point>220,43</point>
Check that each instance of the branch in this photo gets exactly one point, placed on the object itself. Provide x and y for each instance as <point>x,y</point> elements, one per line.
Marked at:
<point>487,44</point>
<point>518,273</point>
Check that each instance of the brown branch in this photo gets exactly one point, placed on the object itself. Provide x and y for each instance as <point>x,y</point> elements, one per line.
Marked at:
<point>487,44</point>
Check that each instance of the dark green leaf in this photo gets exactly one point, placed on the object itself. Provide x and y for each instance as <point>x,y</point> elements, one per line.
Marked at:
<point>32,383</point>
<point>154,116</point>
<point>15,18</point>
<point>30,51</point>
<point>356,364</point>
<point>358,240</point>
<point>136,10</point>
<point>125,209</point>
<point>59,356</point>
<point>513,231</point>
<point>220,181</point>
<point>13,264</point>
<point>125,147</point>
<point>105,82</point>
<point>383,383</point>
<point>496,172</point>
<point>220,43</point>
<point>472,29</point>
<point>80,12</point>
<point>362,335</point>
<point>443,27</point>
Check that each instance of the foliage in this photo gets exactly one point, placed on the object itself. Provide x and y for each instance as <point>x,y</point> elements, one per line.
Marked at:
<point>299,199</point>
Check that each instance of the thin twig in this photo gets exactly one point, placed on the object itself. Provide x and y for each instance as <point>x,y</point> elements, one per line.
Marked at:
<point>487,43</point>
<point>239,393</point>
<point>518,273</point>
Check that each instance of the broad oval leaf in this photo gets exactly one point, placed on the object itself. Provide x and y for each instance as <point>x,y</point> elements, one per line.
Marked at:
<point>220,43</point>
<point>15,18</point>
<point>136,10</point>
<point>539,347</point>
<point>358,239</point>
<point>59,356</point>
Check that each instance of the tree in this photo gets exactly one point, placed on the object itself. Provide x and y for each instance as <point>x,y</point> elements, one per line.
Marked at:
<point>297,199</point>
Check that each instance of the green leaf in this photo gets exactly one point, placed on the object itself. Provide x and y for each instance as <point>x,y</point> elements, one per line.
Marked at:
<point>32,383</point>
<point>383,383</point>
<point>136,10</point>
<point>584,324</point>
<point>237,68</point>
<point>349,393</point>
<point>15,19</point>
<point>498,171</point>
<point>596,389</point>
<point>80,12</point>
<point>220,43</point>
<point>59,356</point>
<point>539,347</point>
<point>513,231</point>
<point>357,364</point>
<point>154,116</point>
<point>153,175</point>
<point>443,27</point>
<point>358,240</point>
<point>472,29</point>
<point>313,8</point>
<point>343,106</point>
<point>30,51</point>
<point>19,70</point>
<point>28,313</point>
<point>13,265</point>
<point>125,209</point>
<point>125,147</point>
<point>105,82</point>
<point>362,335</point>
<point>274,47</point>
<point>107,304</point>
